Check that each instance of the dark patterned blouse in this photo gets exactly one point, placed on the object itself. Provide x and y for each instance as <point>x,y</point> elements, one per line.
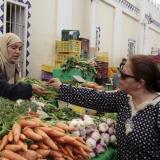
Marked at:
<point>138,133</point>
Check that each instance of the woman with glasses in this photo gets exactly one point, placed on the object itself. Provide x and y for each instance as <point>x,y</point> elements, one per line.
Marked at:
<point>137,104</point>
<point>10,52</point>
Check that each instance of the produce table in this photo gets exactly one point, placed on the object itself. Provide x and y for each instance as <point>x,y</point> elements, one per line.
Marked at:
<point>109,154</point>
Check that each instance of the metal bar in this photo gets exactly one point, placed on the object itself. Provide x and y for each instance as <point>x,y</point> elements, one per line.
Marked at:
<point>16,24</point>
<point>15,18</point>
<point>20,20</point>
<point>10,17</point>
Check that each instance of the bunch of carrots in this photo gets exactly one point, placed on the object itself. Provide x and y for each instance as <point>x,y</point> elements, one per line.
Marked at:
<point>32,139</point>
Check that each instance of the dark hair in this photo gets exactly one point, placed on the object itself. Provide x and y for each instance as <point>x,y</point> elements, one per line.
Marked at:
<point>144,67</point>
<point>124,59</point>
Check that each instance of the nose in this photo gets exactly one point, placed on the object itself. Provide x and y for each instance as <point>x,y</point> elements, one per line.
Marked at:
<point>18,50</point>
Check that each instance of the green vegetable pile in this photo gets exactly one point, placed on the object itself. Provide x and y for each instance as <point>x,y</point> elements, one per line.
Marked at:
<point>86,68</point>
<point>62,113</point>
<point>11,111</point>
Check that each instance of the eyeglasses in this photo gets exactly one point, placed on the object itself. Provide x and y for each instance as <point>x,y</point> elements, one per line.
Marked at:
<point>125,76</point>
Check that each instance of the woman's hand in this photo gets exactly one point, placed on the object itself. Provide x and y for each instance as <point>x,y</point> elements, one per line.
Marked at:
<point>54,82</point>
<point>39,90</point>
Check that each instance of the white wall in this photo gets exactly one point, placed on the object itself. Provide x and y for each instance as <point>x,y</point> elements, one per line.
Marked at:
<point>130,30</point>
<point>118,24</point>
<point>153,39</point>
<point>105,20</point>
<point>81,17</point>
<point>43,35</point>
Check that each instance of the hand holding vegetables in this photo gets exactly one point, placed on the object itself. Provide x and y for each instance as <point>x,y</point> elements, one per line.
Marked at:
<point>39,90</point>
<point>56,83</point>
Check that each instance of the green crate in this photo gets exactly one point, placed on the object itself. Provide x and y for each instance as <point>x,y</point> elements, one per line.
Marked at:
<point>70,35</point>
<point>66,76</point>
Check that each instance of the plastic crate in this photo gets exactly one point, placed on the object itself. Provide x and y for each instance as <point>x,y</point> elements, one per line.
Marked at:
<point>84,45</point>
<point>75,46</point>
<point>46,75</point>
<point>62,46</point>
<point>68,46</point>
<point>58,64</point>
<point>70,35</point>
<point>63,57</point>
<point>47,68</point>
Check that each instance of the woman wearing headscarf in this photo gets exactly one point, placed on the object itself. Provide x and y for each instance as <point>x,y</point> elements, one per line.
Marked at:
<point>10,52</point>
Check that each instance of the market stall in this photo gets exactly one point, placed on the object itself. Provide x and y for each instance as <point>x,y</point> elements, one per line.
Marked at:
<point>38,129</point>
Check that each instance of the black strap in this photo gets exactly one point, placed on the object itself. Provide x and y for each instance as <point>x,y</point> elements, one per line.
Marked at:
<point>156,97</point>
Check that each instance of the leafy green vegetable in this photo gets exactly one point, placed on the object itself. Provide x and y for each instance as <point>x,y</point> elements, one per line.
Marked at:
<point>86,68</point>
<point>64,113</point>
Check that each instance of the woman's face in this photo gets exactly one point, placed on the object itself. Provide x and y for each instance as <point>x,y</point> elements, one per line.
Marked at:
<point>14,52</point>
<point>128,82</point>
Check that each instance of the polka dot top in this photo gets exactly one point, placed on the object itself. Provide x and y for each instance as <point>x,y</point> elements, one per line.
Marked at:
<point>138,134</point>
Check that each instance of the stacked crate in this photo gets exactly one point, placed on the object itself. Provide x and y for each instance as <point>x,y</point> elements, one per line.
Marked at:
<point>65,49</point>
<point>84,48</point>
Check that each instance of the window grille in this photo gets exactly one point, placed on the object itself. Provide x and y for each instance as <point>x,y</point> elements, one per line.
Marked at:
<point>15,22</point>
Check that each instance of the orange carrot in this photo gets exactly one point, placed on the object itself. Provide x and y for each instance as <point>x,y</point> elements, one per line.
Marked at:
<point>4,142</point>
<point>59,158</point>
<point>56,133</point>
<point>49,142</point>
<point>16,130</point>
<point>42,145</point>
<point>43,152</point>
<point>13,147</point>
<point>64,126</point>
<point>28,123</point>
<point>45,129</point>
<point>29,155</point>
<point>11,155</point>
<point>29,133</point>
<point>23,137</point>
<point>68,157</point>
<point>55,154</point>
<point>10,136</point>
<point>35,119</point>
<point>62,149</point>
<point>58,129</point>
<point>68,139</point>
<point>59,139</point>
<point>3,158</point>
<point>80,140</point>
<point>76,151</point>
<point>24,146</point>
<point>78,144</point>
<point>83,153</point>
<point>34,146</point>
<point>40,132</point>
<point>69,149</point>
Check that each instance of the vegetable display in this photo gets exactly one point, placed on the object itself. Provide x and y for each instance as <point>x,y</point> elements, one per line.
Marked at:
<point>32,139</point>
<point>37,130</point>
<point>97,134</point>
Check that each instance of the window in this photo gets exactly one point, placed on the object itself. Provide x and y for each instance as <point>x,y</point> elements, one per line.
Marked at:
<point>131,47</point>
<point>16,22</point>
